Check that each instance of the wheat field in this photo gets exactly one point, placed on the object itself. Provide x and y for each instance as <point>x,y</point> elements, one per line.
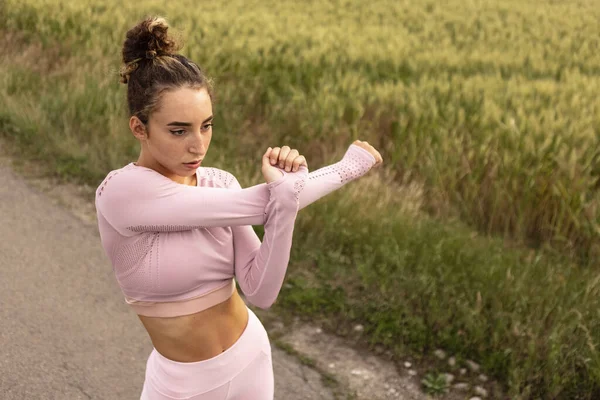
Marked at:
<point>489,107</point>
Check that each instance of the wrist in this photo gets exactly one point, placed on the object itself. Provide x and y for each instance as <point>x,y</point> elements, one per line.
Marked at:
<point>362,153</point>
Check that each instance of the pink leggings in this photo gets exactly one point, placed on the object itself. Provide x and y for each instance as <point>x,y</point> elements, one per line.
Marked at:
<point>243,371</point>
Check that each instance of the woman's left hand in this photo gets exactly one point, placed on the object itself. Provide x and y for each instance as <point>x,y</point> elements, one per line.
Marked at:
<point>288,159</point>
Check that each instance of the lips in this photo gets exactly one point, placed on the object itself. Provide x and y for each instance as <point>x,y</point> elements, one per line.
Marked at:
<point>193,162</point>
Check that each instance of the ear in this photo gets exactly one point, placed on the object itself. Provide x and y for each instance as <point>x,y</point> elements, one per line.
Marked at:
<point>138,128</point>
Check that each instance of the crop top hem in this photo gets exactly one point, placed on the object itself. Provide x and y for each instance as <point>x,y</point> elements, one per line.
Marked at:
<point>183,307</point>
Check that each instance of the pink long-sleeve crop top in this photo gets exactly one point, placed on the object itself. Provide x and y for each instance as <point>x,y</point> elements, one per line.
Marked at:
<point>177,249</point>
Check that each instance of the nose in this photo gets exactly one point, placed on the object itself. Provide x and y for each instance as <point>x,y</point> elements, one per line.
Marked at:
<point>197,144</point>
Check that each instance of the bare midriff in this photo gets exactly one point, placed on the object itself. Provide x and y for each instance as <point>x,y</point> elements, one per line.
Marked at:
<point>198,336</point>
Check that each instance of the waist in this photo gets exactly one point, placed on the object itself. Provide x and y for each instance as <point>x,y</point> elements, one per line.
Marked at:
<point>198,336</point>
<point>179,380</point>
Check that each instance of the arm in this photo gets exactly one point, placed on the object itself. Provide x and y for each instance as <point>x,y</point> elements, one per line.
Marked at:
<point>136,199</point>
<point>253,258</point>
<point>260,268</point>
<point>355,163</point>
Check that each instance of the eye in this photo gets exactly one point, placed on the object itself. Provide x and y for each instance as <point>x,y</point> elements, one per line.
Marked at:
<point>207,126</point>
<point>179,132</point>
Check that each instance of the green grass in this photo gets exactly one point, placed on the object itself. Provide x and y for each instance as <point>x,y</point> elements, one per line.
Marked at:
<point>487,103</point>
<point>434,384</point>
<point>485,112</point>
<point>529,318</point>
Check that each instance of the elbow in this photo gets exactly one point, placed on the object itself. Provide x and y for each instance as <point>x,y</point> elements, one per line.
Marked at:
<point>263,302</point>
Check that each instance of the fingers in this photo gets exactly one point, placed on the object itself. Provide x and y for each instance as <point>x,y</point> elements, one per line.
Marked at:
<point>288,159</point>
<point>297,162</point>
<point>284,154</point>
<point>267,152</point>
<point>274,156</point>
<point>280,154</point>
<point>265,157</point>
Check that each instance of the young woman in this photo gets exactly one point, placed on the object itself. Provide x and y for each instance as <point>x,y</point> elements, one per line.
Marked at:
<point>180,235</point>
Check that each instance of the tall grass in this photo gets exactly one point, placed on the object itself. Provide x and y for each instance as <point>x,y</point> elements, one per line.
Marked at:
<point>416,285</point>
<point>489,108</point>
<point>492,104</point>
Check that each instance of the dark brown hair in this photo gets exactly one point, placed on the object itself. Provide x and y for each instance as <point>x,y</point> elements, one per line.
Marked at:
<point>152,66</point>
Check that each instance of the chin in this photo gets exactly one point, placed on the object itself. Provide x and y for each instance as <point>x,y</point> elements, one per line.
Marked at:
<point>190,172</point>
<point>187,171</point>
<point>181,170</point>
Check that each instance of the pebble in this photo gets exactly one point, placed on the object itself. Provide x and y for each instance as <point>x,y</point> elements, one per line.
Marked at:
<point>392,391</point>
<point>412,372</point>
<point>441,354</point>
<point>318,330</point>
<point>407,364</point>
<point>332,365</point>
<point>473,366</point>
<point>463,371</point>
<point>449,378</point>
<point>461,386</point>
<point>359,328</point>
<point>452,361</point>
<point>387,386</point>
<point>356,372</point>
<point>481,391</point>
<point>483,378</point>
<point>475,398</point>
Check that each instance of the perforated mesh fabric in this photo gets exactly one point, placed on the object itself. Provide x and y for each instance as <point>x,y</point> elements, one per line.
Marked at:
<point>133,259</point>
<point>163,228</point>
<point>353,167</point>
<point>103,184</point>
<point>298,186</point>
<point>219,176</point>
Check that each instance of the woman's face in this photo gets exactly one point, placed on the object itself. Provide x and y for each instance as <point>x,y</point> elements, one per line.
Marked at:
<point>178,133</point>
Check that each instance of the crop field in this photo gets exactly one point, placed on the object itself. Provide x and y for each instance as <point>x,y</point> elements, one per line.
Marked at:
<point>480,235</point>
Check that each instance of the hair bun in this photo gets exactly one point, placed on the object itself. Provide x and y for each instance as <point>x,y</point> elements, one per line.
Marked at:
<point>149,39</point>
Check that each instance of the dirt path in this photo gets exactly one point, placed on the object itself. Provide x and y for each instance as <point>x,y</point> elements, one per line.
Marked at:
<point>66,333</point>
